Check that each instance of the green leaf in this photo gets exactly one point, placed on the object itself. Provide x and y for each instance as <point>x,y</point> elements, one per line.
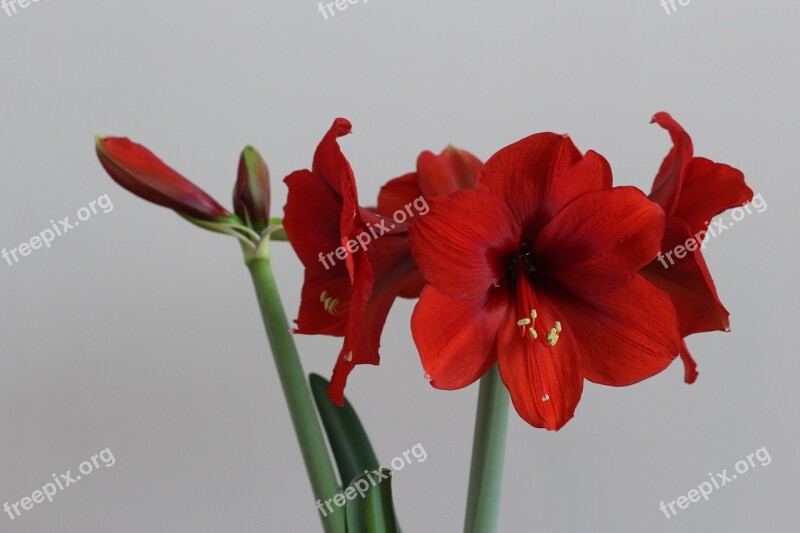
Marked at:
<point>348,440</point>
<point>371,509</point>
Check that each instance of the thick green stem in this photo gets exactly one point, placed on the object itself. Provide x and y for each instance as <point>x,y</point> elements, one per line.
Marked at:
<point>295,388</point>
<point>488,454</point>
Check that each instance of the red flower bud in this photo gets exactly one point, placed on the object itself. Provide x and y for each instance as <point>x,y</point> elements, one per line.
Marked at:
<point>137,169</point>
<point>252,193</point>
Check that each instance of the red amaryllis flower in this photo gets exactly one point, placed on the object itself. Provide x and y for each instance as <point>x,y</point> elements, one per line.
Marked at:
<point>357,260</point>
<point>137,169</point>
<point>537,270</point>
<point>692,191</point>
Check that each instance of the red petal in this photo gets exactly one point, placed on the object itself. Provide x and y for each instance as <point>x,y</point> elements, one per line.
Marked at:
<point>138,170</point>
<point>545,381</point>
<point>397,193</point>
<point>689,365</point>
<point>688,282</point>
<point>314,318</point>
<point>364,329</point>
<point>413,286</point>
<point>376,285</point>
<point>456,338</point>
<point>311,219</point>
<point>540,174</point>
<point>450,171</point>
<point>626,335</point>
<point>436,175</point>
<point>329,162</point>
<point>708,190</point>
<point>599,241</point>
<point>382,270</point>
<point>461,246</point>
<point>670,178</point>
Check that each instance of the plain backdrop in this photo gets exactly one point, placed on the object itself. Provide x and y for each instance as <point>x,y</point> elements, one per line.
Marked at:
<point>140,333</point>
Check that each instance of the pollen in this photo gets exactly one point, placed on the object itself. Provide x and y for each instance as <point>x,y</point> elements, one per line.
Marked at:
<point>524,322</point>
<point>533,333</point>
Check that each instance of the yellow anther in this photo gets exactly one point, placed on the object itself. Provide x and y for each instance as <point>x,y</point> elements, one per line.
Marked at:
<point>328,303</point>
<point>529,323</point>
<point>552,337</point>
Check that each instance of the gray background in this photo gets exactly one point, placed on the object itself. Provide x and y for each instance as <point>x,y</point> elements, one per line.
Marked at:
<point>141,333</point>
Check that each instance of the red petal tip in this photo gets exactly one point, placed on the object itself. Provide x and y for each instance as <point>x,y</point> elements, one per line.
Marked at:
<point>342,126</point>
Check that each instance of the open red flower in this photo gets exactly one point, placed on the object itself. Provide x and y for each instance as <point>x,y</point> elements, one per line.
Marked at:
<point>537,270</point>
<point>357,260</point>
<point>692,191</point>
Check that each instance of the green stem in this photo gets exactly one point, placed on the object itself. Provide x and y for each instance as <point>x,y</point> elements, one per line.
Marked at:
<point>279,234</point>
<point>295,388</point>
<point>488,454</point>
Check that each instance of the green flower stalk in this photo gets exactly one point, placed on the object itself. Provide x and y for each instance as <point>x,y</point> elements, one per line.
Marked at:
<point>138,170</point>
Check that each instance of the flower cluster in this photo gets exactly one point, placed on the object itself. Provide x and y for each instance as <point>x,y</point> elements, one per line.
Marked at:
<point>534,261</point>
